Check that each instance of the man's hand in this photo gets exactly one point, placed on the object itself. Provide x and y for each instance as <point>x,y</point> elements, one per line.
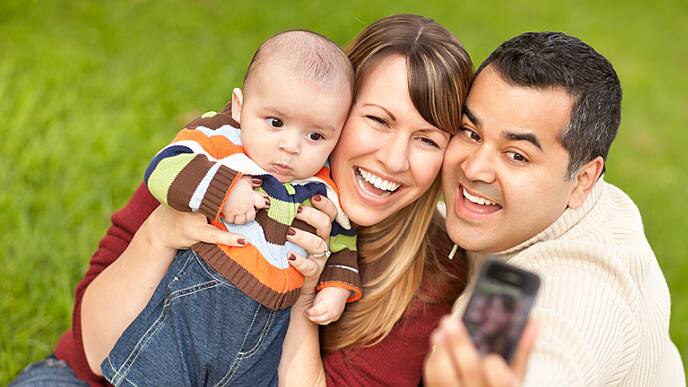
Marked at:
<point>241,205</point>
<point>454,361</point>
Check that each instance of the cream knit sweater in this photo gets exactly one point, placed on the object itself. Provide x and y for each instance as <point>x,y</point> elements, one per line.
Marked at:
<point>603,306</point>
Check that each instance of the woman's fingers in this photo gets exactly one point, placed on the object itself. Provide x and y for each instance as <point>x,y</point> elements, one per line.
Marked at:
<point>210,234</point>
<point>307,267</point>
<point>317,219</point>
<point>325,205</point>
<point>313,244</point>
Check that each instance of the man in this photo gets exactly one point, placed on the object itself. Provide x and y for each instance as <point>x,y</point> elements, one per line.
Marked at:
<point>523,184</point>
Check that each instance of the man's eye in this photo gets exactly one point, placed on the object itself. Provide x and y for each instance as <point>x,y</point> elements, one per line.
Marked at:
<point>519,158</point>
<point>315,136</point>
<point>275,122</point>
<point>470,134</point>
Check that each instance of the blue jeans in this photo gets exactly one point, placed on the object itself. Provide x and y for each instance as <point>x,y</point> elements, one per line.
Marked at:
<point>198,329</point>
<point>48,372</point>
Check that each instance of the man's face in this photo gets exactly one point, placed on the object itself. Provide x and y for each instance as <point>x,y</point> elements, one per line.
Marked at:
<point>504,173</point>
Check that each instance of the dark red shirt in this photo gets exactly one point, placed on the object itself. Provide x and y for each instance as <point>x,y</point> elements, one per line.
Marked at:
<point>397,360</point>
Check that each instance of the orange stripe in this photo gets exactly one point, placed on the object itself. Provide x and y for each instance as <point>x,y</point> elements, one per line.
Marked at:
<point>339,284</point>
<point>216,146</point>
<point>252,261</point>
<point>324,173</point>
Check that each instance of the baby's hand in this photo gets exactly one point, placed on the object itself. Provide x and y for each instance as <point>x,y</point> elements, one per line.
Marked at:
<point>241,205</point>
<point>328,305</point>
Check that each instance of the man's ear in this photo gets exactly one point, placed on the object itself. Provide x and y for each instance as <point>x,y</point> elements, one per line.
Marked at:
<point>585,180</point>
<point>237,101</point>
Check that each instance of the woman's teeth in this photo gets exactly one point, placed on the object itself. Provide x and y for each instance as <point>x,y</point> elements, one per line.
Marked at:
<point>477,199</point>
<point>376,181</point>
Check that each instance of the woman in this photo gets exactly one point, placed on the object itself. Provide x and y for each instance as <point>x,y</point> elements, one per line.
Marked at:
<point>411,78</point>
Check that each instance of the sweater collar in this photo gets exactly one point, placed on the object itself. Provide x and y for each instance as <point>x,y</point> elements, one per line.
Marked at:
<point>568,219</point>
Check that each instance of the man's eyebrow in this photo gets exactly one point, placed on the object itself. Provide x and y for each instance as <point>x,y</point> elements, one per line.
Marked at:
<point>381,107</point>
<point>529,137</point>
<point>467,111</point>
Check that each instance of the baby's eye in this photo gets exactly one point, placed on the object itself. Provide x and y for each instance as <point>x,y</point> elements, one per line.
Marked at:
<point>275,122</point>
<point>315,136</point>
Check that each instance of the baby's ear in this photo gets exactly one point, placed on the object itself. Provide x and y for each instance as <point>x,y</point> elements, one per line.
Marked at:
<point>237,101</point>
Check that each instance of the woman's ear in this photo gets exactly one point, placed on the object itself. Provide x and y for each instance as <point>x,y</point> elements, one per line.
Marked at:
<point>585,179</point>
<point>237,101</point>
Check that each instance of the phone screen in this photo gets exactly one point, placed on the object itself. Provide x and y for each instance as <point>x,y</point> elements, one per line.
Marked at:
<point>499,307</point>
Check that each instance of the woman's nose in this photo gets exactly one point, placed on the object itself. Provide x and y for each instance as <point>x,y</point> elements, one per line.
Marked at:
<point>394,154</point>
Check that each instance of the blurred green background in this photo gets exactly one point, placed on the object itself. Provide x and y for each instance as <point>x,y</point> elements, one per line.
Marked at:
<point>90,91</point>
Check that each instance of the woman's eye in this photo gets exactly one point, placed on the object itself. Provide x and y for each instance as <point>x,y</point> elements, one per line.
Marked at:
<point>275,122</point>
<point>519,158</point>
<point>471,134</point>
<point>315,136</point>
<point>377,120</point>
<point>429,142</point>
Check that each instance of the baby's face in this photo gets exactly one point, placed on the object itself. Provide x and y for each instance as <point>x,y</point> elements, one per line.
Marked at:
<point>289,126</point>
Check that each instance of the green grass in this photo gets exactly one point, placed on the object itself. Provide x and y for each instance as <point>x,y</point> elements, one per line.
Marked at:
<point>90,90</point>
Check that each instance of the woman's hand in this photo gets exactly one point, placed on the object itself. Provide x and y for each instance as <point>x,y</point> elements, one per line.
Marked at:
<point>320,216</point>
<point>172,229</point>
<point>454,361</point>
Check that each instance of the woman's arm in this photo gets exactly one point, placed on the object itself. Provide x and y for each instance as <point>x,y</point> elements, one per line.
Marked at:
<point>119,293</point>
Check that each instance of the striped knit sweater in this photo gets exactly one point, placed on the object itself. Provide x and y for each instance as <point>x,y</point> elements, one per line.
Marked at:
<point>196,172</point>
<point>603,306</point>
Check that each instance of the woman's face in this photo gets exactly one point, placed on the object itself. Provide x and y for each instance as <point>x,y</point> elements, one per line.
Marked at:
<point>387,155</point>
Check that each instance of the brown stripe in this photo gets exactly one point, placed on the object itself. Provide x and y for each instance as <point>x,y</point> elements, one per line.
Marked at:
<point>345,257</point>
<point>243,280</point>
<point>275,232</point>
<point>184,185</point>
<point>217,191</point>
<point>215,122</point>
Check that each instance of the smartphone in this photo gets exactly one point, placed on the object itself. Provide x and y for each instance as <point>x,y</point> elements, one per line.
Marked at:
<point>498,309</point>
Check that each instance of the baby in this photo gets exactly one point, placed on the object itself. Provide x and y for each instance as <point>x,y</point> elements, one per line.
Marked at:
<point>220,314</point>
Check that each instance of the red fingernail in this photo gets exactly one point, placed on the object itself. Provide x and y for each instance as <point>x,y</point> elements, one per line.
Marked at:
<point>298,210</point>
<point>267,202</point>
<point>292,257</point>
<point>291,231</point>
<point>256,180</point>
<point>316,198</point>
<point>242,242</point>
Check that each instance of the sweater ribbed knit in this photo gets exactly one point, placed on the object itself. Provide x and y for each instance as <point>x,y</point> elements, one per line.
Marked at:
<point>603,306</point>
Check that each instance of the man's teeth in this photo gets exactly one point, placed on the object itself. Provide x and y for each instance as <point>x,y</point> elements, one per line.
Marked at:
<point>477,199</point>
<point>377,181</point>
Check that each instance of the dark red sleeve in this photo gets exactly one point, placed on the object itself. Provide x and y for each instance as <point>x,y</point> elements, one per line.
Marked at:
<point>124,224</point>
<point>397,360</point>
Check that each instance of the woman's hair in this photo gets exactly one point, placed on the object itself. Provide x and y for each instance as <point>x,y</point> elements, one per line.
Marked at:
<point>395,253</point>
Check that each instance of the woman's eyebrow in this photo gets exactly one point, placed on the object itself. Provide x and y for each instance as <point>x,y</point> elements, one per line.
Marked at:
<point>383,108</point>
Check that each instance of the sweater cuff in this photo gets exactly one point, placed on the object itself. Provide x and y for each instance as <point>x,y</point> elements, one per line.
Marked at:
<point>217,193</point>
<point>341,277</point>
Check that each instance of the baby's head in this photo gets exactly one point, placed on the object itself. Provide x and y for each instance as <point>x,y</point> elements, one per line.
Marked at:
<point>296,97</point>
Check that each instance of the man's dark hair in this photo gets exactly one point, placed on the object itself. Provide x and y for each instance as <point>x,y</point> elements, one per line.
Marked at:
<point>556,60</point>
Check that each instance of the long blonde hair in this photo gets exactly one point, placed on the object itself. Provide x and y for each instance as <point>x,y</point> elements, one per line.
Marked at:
<point>395,253</point>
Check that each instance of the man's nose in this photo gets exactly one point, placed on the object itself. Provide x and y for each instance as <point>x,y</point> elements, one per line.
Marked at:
<point>479,165</point>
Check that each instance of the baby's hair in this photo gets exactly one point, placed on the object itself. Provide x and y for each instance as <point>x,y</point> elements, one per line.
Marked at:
<point>312,55</point>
